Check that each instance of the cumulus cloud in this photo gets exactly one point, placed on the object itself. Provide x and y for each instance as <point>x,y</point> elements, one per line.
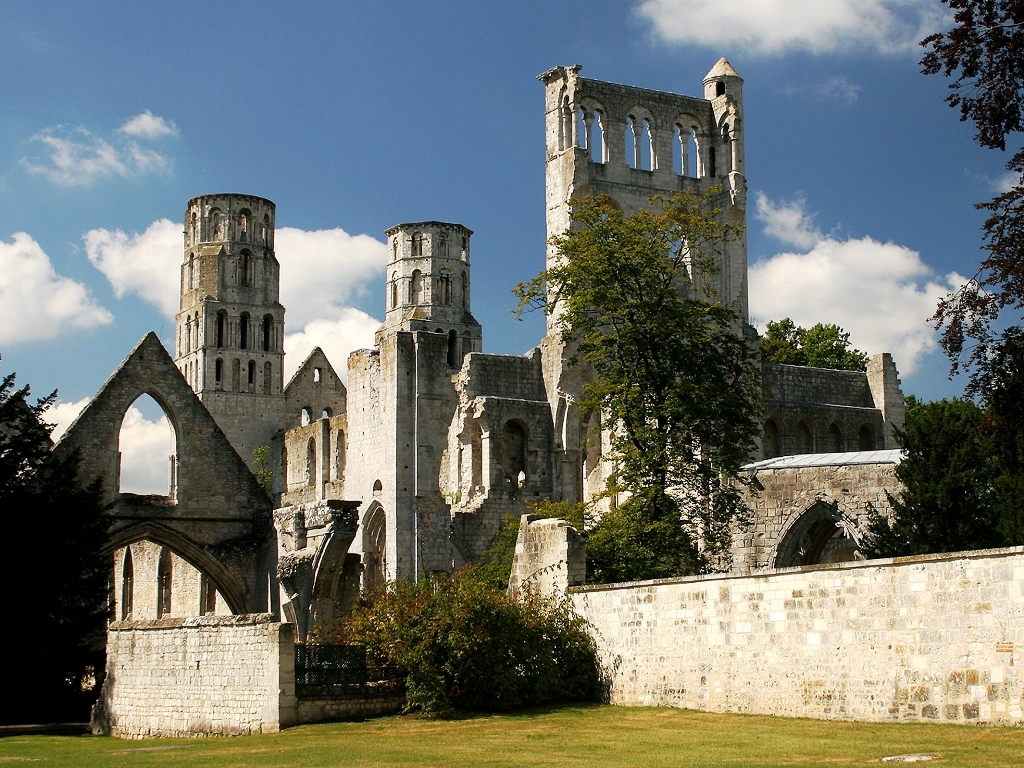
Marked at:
<point>75,157</point>
<point>770,27</point>
<point>145,264</point>
<point>882,293</point>
<point>63,415</point>
<point>834,89</point>
<point>787,222</point>
<point>149,126</point>
<point>35,302</point>
<point>353,329</point>
<point>146,447</point>
<point>321,270</point>
<point>1006,182</point>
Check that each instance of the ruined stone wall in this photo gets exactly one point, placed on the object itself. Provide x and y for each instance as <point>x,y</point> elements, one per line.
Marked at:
<point>928,638</point>
<point>849,489</point>
<point>199,676</point>
<point>550,557</point>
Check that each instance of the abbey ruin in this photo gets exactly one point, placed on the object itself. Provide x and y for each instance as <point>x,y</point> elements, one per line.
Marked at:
<point>413,464</point>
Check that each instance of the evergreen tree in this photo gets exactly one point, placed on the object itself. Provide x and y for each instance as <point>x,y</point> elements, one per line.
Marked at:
<point>52,637</point>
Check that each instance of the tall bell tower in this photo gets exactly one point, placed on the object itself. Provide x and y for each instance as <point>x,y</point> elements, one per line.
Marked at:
<point>230,327</point>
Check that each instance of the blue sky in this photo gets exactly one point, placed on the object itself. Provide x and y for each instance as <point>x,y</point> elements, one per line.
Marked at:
<point>353,117</point>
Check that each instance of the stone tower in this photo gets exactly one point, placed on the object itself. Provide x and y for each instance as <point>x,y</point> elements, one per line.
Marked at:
<point>632,143</point>
<point>230,328</point>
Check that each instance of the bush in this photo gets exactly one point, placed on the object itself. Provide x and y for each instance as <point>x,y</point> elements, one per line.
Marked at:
<point>463,644</point>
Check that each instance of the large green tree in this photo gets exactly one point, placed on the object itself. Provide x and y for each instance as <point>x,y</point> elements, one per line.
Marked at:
<point>950,477</point>
<point>52,567</point>
<point>820,346</point>
<point>672,376</point>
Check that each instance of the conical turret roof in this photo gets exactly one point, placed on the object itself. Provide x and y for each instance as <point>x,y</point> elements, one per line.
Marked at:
<point>722,69</point>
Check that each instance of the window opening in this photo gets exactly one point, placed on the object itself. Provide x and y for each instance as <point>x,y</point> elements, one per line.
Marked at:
<point>268,324</point>
<point>243,269</point>
<point>581,128</point>
<point>222,318</point>
<point>146,447</point>
<point>305,417</point>
<point>127,584</point>
<point>453,349</point>
<point>243,224</point>
<point>712,165</point>
<point>243,330</point>
<point>465,290</point>
<point>866,438</point>
<point>325,413</point>
<point>394,291</point>
<point>692,153</point>
<point>165,578</point>
<point>599,150</point>
<point>646,159</point>
<point>513,451</point>
<point>377,486</point>
<point>632,144</point>
<point>835,438</point>
<point>339,455</point>
<point>207,595</point>
<point>218,371</point>
<point>252,375</point>
<point>416,287</point>
<point>311,462</point>
<point>719,88</point>
<point>804,439</point>
<point>771,440</point>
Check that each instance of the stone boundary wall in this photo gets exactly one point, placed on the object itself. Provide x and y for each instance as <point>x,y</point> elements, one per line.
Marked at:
<point>214,675</point>
<point>929,638</point>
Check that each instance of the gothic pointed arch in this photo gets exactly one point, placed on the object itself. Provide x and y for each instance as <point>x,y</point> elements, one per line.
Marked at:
<point>821,534</point>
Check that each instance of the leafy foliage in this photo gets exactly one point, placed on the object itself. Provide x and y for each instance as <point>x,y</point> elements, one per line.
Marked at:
<point>820,346</point>
<point>950,476</point>
<point>673,377</point>
<point>464,644</point>
<point>53,641</point>
<point>984,53</point>
<point>264,475</point>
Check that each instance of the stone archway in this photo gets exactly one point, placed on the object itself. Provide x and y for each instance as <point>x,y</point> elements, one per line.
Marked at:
<point>822,534</point>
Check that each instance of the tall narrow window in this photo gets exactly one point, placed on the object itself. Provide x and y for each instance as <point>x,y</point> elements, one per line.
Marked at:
<point>127,584</point>
<point>339,455</point>
<point>416,287</point>
<point>188,334</point>
<point>720,88</point>
<point>712,164</point>
<point>598,148</point>
<point>646,159</point>
<point>417,245</point>
<point>465,290</point>
<point>207,595</point>
<point>165,578</point>
<point>243,224</point>
<point>190,283</point>
<point>222,320</point>
<point>243,269</point>
<point>268,323</point>
<point>770,440</point>
<point>243,330</point>
<point>252,375</point>
<point>311,462</point>
<point>632,143</point>
<point>218,372</point>
<point>453,349</point>
<point>266,229</point>
<point>394,291</point>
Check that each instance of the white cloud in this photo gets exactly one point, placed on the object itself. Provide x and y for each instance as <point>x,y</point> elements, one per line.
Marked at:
<point>149,126</point>
<point>1006,182</point>
<point>830,89</point>
<point>353,329</point>
<point>323,269</point>
<point>75,157</point>
<point>882,293</point>
<point>63,415</point>
<point>145,450</point>
<point>788,222</point>
<point>35,302</point>
<point>145,264</point>
<point>776,26</point>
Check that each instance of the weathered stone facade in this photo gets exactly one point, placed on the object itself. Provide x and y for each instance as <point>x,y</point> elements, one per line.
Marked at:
<point>930,638</point>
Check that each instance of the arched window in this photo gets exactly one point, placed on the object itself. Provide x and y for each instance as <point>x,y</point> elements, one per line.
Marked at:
<point>236,375</point>
<point>339,454</point>
<point>453,349</point>
<point>804,438</point>
<point>835,438</point>
<point>513,450</point>
<point>188,334</point>
<point>243,269</point>
<point>311,462</point>
<point>465,290</point>
<point>165,578</point>
<point>146,445</point>
<point>418,239</point>
<point>195,331</point>
<point>218,372</point>
<point>822,534</point>
<point>268,380</point>
<point>416,287</point>
<point>442,289</point>
<point>464,253</point>
<point>318,374</point>
<point>720,88</point>
<point>326,413</point>
<point>581,128</point>
<point>770,439</point>
<point>194,228</point>
<point>440,249</point>
<point>243,330</point>
<point>252,376</point>
<point>646,160</point>
<point>266,229</point>
<point>394,291</point>
<point>374,547</point>
<point>127,584</point>
<point>306,417</point>
<point>866,438</point>
<point>599,145</point>
<point>216,224</point>
<point>632,143</point>
<point>190,280</point>
<point>712,169</point>
<point>268,324</point>
<point>222,321</point>
<point>378,487</point>
<point>243,224</point>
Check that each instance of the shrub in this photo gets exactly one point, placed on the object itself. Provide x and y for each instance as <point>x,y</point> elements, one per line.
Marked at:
<point>463,644</point>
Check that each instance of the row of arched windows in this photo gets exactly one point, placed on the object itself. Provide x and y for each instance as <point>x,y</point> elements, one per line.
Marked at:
<point>248,328</point>
<point>246,228</point>
<point>165,604</point>
<point>695,154</point>
<point>805,440</point>
<point>416,293</point>
<point>420,246</point>
<point>249,382</point>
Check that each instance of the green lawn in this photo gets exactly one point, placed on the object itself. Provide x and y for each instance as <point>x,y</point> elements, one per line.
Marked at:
<point>587,736</point>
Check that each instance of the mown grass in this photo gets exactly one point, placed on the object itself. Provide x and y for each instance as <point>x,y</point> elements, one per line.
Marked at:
<point>585,736</point>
